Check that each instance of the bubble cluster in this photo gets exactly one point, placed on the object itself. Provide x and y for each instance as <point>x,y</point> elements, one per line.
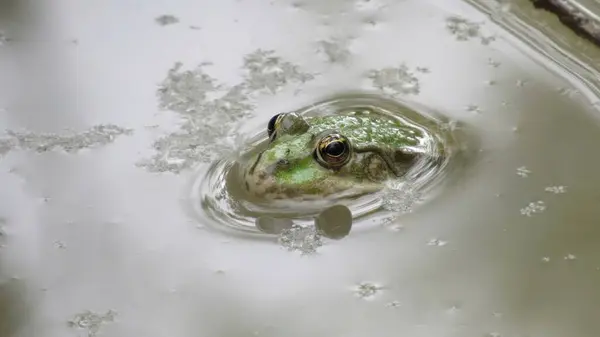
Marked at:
<point>523,172</point>
<point>72,142</point>
<point>336,50</point>
<point>400,80</point>
<point>305,240</point>
<point>91,322</point>
<point>367,290</point>
<point>533,208</point>
<point>402,199</point>
<point>464,30</point>
<point>556,189</point>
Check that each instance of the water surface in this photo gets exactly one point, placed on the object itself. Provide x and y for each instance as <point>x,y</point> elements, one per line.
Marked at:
<point>118,105</point>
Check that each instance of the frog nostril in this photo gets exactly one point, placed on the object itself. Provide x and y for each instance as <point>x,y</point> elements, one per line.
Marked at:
<point>282,163</point>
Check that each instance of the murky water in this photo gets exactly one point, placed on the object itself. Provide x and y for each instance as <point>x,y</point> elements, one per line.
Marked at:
<point>115,110</point>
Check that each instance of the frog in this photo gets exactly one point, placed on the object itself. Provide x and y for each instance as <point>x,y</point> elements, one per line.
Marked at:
<point>347,154</point>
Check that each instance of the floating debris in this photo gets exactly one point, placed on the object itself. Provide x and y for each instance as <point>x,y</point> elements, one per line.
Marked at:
<point>6,145</point>
<point>394,304</point>
<point>211,110</point>
<point>395,81</point>
<point>437,242</point>
<point>574,15</point>
<point>493,63</point>
<point>453,309</point>
<point>59,245</point>
<point>367,290</point>
<point>91,322</point>
<point>266,72</point>
<point>570,257</point>
<point>533,208</point>
<point>394,227</point>
<point>165,20</point>
<point>523,171</point>
<point>473,108</point>
<point>464,30</point>
<point>335,50</point>
<point>3,38</point>
<point>569,92</point>
<point>556,189</point>
<point>461,28</point>
<point>42,142</point>
<point>521,83</point>
<point>401,200</point>
<point>305,240</point>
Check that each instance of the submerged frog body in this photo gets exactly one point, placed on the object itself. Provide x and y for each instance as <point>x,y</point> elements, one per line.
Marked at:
<point>322,156</point>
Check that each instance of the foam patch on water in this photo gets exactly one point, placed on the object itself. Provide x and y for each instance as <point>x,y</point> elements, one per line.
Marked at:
<point>70,142</point>
<point>211,110</point>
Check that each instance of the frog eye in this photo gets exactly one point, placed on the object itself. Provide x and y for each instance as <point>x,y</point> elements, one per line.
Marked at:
<point>274,124</point>
<point>333,151</point>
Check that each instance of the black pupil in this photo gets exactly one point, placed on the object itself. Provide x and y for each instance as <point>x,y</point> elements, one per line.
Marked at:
<point>335,148</point>
<point>271,125</point>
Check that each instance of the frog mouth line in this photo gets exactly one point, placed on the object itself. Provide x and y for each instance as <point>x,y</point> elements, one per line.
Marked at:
<point>253,167</point>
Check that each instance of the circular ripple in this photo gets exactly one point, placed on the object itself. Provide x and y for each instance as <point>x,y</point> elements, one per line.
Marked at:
<point>219,201</point>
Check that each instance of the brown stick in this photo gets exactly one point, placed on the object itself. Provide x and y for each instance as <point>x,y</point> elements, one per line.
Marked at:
<point>577,20</point>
